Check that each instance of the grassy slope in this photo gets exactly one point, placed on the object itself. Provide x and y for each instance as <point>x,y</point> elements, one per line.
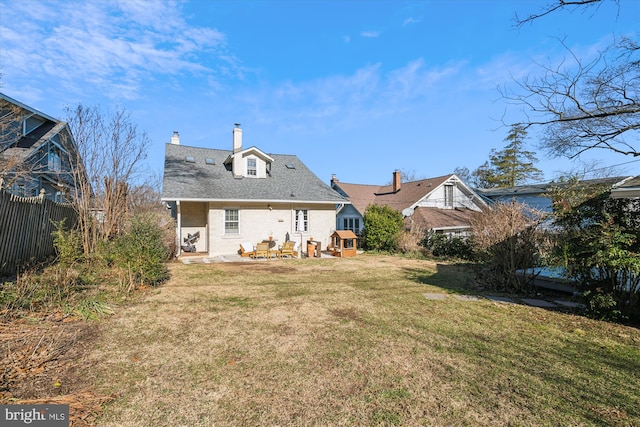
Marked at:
<point>354,342</point>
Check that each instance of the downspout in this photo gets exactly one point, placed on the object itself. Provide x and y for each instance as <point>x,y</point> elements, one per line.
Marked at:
<point>179,226</point>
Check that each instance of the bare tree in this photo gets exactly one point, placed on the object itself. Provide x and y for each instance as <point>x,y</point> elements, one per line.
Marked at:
<point>110,156</point>
<point>556,6</point>
<point>584,105</point>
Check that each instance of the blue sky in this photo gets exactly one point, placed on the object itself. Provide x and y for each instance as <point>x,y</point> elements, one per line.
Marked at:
<point>353,88</point>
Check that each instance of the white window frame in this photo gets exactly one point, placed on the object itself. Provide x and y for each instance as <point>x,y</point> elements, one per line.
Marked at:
<point>305,221</point>
<point>252,170</point>
<point>228,221</point>
<point>448,195</point>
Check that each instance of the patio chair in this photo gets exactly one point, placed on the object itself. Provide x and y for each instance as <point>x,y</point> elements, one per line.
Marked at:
<point>262,250</point>
<point>246,249</point>
<point>288,249</point>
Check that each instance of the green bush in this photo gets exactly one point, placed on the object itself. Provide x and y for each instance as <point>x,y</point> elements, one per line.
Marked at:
<point>442,245</point>
<point>382,228</point>
<point>67,244</point>
<point>141,251</point>
<point>599,246</point>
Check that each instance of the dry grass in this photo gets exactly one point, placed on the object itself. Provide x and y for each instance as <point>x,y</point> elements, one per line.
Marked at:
<point>38,362</point>
<point>354,342</point>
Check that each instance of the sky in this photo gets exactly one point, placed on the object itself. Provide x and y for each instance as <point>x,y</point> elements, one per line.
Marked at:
<point>355,89</point>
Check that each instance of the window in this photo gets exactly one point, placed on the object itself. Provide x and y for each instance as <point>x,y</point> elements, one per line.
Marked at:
<point>302,220</point>
<point>252,168</point>
<point>231,221</point>
<point>352,224</point>
<point>55,164</point>
<point>448,196</point>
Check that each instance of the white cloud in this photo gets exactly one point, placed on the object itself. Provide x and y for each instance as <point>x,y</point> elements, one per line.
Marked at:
<point>411,20</point>
<point>351,100</point>
<point>116,45</point>
<point>370,34</point>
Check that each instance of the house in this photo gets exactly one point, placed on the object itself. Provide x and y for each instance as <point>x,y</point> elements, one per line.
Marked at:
<point>628,189</point>
<point>443,204</point>
<point>538,196</point>
<point>244,195</point>
<point>37,152</point>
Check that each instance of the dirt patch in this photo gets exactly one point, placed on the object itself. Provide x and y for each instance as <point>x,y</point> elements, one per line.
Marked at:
<point>39,362</point>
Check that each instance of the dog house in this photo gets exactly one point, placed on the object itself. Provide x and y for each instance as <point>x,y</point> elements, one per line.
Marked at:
<point>343,243</point>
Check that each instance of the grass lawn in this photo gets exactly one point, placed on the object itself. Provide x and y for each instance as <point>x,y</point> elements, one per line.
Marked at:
<point>355,342</point>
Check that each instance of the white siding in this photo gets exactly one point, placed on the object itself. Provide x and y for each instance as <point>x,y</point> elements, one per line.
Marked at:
<point>257,222</point>
<point>436,199</point>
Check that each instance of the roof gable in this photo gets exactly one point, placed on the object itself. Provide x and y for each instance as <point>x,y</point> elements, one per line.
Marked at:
<point>408,196</point>
<point>247,152</point>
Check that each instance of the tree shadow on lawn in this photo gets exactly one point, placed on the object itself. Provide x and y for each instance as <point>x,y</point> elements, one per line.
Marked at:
<point>461,279</point>
<point>579,363</point>
<point>455,278</point>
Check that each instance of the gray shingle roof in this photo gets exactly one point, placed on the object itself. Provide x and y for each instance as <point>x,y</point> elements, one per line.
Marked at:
<point>543,188</point>
<point>200,181</point>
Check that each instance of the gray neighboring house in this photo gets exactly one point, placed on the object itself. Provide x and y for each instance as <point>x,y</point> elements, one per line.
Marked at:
<point>537,195</point>
<point>244,196</point>
<point>37,152</point>
<point>629,189</point>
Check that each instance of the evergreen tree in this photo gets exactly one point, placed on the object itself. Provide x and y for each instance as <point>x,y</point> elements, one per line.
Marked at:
<point>483,176</point>
<point>510,166</point>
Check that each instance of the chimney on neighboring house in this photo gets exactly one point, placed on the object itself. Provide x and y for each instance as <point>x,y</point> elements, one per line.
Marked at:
<point>175,139</point>
<point>237,138</point>
<point>397,181</point>
<point>334,179</point>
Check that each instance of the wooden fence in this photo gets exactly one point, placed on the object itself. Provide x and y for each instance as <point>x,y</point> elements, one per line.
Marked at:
<point>26,227</point>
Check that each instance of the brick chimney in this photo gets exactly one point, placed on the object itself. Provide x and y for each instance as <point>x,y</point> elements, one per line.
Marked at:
<point>175,139</point>
<point>237,138</point>
<point>397,181</point>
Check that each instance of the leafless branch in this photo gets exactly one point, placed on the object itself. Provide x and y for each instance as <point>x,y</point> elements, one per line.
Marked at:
<point>554,7</point>
<point>586,105</point>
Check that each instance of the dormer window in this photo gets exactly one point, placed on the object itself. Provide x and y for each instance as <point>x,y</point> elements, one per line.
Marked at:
<point>252,167</point>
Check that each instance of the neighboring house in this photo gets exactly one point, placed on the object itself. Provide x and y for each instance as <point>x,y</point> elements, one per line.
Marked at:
<point>245,195</point>
<point>629,189</point>
<point>538,196</point>
<point>37,152</point>
<point>443,204</point>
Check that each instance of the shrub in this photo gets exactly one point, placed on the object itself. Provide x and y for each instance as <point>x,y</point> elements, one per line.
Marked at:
<point>599,246</point>
<point>382,228</point>
<point>410,242</point>
<point>442,245</point>
<point>141,251</point>
<point>506,238</point>
<point>67,244</point>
